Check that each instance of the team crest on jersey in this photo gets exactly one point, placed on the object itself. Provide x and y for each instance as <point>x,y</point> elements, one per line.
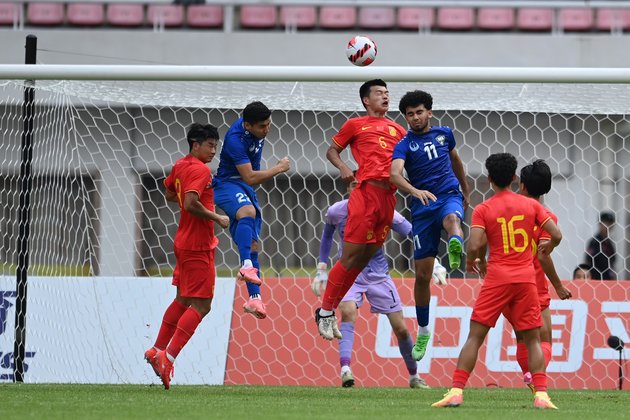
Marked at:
<point>392,131</point>
<point>370,235</point>
<point>413,146</point>
<point>440,139</point>
<point>255,147</point>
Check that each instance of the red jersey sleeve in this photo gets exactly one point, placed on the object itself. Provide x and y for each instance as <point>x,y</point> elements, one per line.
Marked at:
<point>479,217</point>
<point>345,136</point>
<point>542,215</point>
<point>544,235</point>
<point>169,182</point>
<point>196,180</point>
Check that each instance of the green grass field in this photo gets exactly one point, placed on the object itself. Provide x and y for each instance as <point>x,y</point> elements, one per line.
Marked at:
<point>19,401</point>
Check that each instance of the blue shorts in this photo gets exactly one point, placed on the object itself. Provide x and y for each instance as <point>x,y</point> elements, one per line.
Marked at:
<point>426,222</point>
<point>231,196</point>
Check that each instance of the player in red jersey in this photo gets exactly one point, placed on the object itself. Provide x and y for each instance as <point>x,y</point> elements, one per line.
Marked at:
<point>535,181</point>
<point>371,204</point>
<point>505,224</point>
<point>190,185</point>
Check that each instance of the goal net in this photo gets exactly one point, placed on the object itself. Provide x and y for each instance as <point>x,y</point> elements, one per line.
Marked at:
<point>101,232</point>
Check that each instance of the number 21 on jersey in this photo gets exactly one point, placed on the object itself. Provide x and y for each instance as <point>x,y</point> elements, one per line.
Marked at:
<point>509,234</point>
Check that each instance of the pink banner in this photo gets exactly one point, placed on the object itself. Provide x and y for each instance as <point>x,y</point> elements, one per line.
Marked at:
<point>285,348</point>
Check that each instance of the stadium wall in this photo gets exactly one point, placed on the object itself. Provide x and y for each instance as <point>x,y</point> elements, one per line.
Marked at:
<point>95,330</point>
<point>189,47</point>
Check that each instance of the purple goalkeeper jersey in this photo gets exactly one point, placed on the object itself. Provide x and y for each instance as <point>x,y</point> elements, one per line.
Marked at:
<point>377,269</point>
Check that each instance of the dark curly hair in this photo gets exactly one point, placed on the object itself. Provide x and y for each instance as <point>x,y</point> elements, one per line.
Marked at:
<point>415,98</point>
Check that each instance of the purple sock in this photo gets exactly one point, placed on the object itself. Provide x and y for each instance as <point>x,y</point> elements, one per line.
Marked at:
<point>405,347</point>
<point>345,344</point>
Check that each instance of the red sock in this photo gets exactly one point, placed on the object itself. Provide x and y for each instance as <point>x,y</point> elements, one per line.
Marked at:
<point>169,324</point>
<point>347,283</point>
<point>185,329</point>
<point>337,278</point>
<point>460,377</point>
<point>540,381</point>
<point>546,349</point>
<point>521,357</point>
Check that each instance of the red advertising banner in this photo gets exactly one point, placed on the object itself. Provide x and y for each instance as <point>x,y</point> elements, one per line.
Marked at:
<point>285,348</point>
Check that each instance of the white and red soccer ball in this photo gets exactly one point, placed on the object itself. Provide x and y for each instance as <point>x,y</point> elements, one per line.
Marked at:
<point>361,50</point>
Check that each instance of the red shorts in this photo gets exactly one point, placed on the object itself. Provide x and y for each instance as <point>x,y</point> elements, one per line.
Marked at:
<point>194,273</point>
<point>544,300</point>
<point>370,214</point>
<point>517,301</point>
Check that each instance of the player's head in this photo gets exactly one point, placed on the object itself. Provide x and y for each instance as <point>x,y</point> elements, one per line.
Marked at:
<point>582,272</point>
<point>353,184</point>
<point>375,96</point>
<point>535,179</point>
<point>257,119</point>
<point>202,141</point>
<point>501,169</point>
<point>416,106</point>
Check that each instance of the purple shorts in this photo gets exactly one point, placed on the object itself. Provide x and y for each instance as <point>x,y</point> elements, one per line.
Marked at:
<point>383,296</point>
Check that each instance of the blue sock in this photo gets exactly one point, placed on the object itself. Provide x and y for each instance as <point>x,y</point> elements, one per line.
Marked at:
<point>422,314</point>
<point>459,238</point>
<point>243,236</point>
<point>254,289</point>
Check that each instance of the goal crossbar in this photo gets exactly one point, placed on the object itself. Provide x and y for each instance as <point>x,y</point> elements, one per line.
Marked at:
<point>315,74</point>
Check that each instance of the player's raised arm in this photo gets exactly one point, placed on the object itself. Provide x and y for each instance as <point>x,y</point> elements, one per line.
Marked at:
<point>396,177</point>
<point>460,173</point>
<point>193,205</point>
<point>252,177</point>
<point>333,155</point>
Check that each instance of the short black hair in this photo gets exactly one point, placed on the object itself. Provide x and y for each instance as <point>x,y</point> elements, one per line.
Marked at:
<point>415,98</point>
<point>607,217</point>
<point>585,267</point>
<point>537,178</point>
<point>256,112</point>
<point>364,90</point>
<point>199,133</point>
<point>501,168</point>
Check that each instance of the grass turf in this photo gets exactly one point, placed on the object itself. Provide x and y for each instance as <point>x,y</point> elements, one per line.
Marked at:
<point>19,401</point>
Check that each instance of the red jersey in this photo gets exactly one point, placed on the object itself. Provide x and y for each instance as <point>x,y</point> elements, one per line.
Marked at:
<point>189,174</point>
<point>509,220</point>
<point>541,235</point>
<point>372,142</point>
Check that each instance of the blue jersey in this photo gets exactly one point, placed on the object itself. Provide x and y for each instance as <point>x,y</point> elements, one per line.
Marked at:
<point>427,160</point>
<point>239,147</point>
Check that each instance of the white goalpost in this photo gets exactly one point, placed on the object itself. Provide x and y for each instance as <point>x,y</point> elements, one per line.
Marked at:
<point>101,233</point>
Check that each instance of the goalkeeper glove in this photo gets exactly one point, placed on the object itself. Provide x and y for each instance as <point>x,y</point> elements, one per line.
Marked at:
<point>319,282</point>
<point>439,274</point>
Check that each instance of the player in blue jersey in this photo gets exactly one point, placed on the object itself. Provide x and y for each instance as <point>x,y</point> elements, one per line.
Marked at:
<point>375,283</point>
<point>239,171</point>
<point>436,175</point>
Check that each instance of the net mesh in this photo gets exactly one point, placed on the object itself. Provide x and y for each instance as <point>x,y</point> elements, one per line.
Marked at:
<point>102,149</point>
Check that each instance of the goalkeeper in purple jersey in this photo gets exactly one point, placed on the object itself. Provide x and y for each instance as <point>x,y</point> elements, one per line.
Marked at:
<point>375,283</point>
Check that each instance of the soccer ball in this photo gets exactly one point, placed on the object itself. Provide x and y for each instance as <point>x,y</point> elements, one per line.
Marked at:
<point>361,50</point>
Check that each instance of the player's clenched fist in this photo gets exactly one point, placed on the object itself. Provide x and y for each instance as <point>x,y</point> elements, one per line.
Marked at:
<point>321,279</point>
<point>223,221</point>
<point>283,164</point>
